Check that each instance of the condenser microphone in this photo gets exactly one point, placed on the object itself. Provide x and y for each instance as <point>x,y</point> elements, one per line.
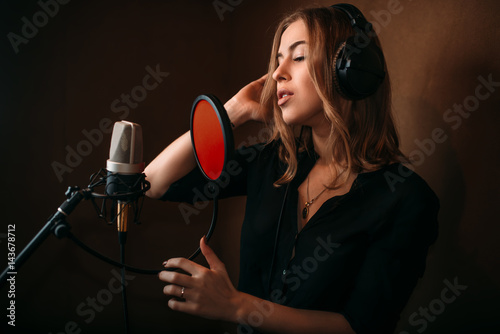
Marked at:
<point>125,167</point>
<point>125,151</point>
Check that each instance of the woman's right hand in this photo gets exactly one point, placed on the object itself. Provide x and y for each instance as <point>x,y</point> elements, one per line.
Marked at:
<point>245,105</point>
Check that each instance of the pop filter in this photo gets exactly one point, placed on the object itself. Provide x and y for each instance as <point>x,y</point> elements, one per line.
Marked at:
<point>211,135</point>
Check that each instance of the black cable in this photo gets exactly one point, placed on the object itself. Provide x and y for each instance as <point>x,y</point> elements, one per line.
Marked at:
<point>271,268</point>
<point>277,236</point>
<point>124,283</point>
<point>93,252</point>
<point>210,229</point>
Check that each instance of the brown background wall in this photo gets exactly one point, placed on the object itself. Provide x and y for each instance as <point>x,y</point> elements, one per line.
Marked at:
<point>65,78</point>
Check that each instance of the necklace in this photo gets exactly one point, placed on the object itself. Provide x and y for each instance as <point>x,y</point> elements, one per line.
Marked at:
<point>305,211</point>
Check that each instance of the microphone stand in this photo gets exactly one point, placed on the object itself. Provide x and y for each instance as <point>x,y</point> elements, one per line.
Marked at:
<point>56,224</point>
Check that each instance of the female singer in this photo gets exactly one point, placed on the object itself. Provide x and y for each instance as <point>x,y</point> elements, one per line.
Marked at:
<point>336,229</point>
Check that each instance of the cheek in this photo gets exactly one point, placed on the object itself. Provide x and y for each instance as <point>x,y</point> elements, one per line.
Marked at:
<point>307,104</point>
<point>313,100</point>
<point>310,92</point>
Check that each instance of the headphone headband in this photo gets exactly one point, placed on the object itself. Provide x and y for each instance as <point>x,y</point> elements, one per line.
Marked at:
<point>359,67</point>
<point>355,16</point>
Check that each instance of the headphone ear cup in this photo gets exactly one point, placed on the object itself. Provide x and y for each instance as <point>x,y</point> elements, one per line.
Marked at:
<point>359,71</point>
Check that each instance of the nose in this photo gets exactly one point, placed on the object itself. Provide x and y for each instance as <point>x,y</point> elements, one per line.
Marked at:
<point>281,73</point>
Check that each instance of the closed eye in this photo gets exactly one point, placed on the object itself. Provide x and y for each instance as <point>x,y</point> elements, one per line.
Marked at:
<point>301,58</point>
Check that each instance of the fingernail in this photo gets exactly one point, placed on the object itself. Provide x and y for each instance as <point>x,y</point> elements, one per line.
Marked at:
<point>165,263</point>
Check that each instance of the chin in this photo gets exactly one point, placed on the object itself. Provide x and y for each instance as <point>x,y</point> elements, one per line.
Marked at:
<point>291,119</point>
<point>304,117</point>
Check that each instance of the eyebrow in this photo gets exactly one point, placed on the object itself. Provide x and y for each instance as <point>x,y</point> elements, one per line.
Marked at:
<point>291,48</point>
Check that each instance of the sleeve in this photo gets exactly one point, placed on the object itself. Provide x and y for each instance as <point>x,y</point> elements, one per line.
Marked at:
<point>194,187</point>
<point>394,262</point>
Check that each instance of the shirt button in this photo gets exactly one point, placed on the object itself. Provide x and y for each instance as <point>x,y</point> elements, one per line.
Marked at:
<point>284,272</point>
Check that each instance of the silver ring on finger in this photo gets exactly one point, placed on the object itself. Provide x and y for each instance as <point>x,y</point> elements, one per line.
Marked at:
<point>182,291</point>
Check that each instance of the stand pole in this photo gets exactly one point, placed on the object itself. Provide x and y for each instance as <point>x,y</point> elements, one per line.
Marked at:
<point>56,224</point>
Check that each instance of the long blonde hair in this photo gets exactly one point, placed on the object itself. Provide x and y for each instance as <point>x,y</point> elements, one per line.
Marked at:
<point>362,133</point>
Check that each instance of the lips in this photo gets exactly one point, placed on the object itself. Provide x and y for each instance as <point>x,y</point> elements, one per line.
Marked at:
<point>283,96</point>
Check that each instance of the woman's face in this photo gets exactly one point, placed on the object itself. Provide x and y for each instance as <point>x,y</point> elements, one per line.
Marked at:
<point>297,96</point>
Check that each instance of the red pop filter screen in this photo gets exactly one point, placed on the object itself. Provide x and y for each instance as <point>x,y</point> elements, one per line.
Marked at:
<point>208,139</point>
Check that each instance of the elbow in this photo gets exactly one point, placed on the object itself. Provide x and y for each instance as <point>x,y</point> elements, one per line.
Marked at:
<point>153,194</point>
<point>154,191</point>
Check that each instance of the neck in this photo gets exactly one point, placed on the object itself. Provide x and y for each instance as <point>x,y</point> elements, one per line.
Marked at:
<point>319,138</point>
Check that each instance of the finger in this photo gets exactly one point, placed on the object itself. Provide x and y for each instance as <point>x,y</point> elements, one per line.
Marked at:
<point>209,254</point>
<point>174,291</point>
<point>182,306</point>
<point>182,263</point>
<point>188,307</point>
<point>175,278</point>
<point>259,83</point>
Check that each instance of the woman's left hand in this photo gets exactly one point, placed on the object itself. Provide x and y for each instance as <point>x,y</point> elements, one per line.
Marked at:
<point>206,292</point>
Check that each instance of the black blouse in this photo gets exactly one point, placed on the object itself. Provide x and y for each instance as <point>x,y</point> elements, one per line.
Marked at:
<point>360,254</point>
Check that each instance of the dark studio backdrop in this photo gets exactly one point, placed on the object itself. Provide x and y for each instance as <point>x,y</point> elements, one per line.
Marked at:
<point>65,82</point>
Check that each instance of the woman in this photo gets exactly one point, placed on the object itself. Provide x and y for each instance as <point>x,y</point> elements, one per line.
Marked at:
<point>336,229</point>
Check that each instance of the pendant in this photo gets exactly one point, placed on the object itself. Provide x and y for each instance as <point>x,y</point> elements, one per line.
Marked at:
<point>305,211</point>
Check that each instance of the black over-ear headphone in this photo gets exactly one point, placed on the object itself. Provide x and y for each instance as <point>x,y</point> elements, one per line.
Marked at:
<point>359,62</point>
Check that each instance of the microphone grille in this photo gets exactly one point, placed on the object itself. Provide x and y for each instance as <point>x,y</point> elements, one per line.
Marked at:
<point>126,143</point>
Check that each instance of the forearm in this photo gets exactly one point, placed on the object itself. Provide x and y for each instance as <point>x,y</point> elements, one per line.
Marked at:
<point>276,318</point>
<point>209,292</point>
<point>178,158</point>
